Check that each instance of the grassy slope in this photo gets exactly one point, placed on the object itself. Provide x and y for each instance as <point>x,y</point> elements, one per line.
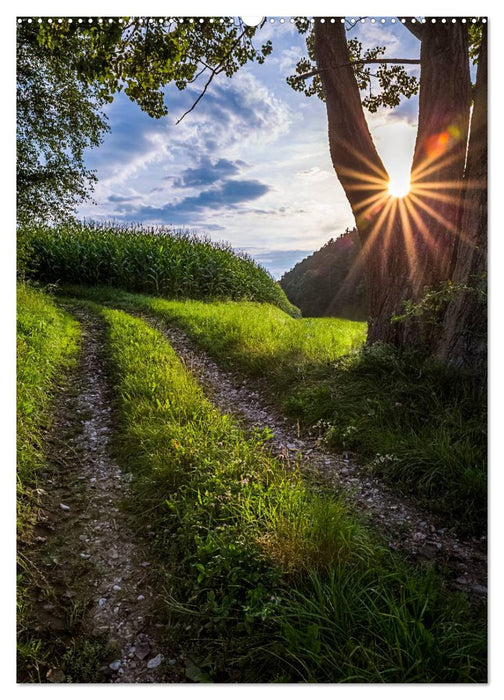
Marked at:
<point>47,345</point>
<point>278,582</point>
<point>417,425</point>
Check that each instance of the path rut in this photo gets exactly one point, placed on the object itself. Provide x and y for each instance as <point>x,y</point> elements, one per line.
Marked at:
<point>98,540</point>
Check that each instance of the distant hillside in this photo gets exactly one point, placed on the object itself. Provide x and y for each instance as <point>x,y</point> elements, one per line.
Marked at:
<point>330,282</point>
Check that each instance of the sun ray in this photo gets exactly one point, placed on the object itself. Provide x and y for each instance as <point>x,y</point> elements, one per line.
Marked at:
<point>369,202</point>
<point>368,186</point>
<point>440,218</point>
<point>424,232</point>
<point>381,173</point>
<point>371,236</point>
<point>429,166</point>
<point>409,239</point>
<point>376,228</point>
<point>439,196</point>
<point>448,185</point>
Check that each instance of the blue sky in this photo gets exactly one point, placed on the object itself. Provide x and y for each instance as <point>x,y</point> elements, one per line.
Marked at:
<point>250,165</point>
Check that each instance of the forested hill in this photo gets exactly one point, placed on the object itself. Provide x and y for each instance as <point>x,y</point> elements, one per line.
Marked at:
<point>330,282</point>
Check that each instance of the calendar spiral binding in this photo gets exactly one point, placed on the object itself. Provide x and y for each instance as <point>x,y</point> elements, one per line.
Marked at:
<point>270,20</point>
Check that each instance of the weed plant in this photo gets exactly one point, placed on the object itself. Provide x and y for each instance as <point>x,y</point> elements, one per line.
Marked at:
<point>155,261</point>
<point>278,582</point>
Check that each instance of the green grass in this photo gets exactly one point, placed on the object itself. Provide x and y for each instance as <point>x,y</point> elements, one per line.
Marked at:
<point>256,338</point>
<point>277,582</point>
<point>47,346</point>
<point>156,261</point>
<point>418,425</point>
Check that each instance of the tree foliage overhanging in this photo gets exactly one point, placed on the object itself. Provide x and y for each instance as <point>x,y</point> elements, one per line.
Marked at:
<point>58,117</point>
<point>67,72</point>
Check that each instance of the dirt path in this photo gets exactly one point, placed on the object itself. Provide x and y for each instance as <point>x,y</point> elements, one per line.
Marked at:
<point>418,534</point>
<point>93,545</point>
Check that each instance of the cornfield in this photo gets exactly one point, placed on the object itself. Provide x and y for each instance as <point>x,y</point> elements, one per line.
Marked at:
<point>157,261</point>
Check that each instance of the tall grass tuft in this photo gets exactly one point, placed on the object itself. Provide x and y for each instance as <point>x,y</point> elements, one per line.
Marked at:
<point>159,261</point>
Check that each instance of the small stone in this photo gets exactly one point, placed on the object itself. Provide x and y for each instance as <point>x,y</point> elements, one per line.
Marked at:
<point>121,671</point>
<point>116,609</point>
<point>85,556</point>
<point>101,602</point>
<point>482,590</point>
<point>145,563</point>
<point>141,597</point>
<point>142,649</point>
<point>115,665</point>
<point>116,587</point>
<point>172,662</point>
<point>55,675</point>
<point>93,480</point>
<point>64,507</point>
<point>155,662</point>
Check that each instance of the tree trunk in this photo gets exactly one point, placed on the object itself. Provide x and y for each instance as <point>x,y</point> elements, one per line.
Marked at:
<point>463,341</point>
<point>408,244</point>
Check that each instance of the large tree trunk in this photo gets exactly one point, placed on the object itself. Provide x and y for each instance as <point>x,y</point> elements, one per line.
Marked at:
<point>463,341</point>
<point>409,244</point>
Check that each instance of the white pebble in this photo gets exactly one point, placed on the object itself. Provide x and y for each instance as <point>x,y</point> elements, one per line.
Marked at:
<point>154,663</point>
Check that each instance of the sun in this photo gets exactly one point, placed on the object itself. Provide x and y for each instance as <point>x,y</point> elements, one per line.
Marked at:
<point>399,186</point>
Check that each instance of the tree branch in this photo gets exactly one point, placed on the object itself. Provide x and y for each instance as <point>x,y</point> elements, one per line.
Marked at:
<point>401,61</point>
<point>212,76</point>
<point>215,71</point>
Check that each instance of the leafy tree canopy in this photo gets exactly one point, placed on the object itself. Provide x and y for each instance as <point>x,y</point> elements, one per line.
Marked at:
<point>69,69</point>
<point>142,55</point>
<point>58,116</point>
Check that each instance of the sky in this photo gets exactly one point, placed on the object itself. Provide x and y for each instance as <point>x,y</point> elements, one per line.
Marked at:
<point>250,164</point>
